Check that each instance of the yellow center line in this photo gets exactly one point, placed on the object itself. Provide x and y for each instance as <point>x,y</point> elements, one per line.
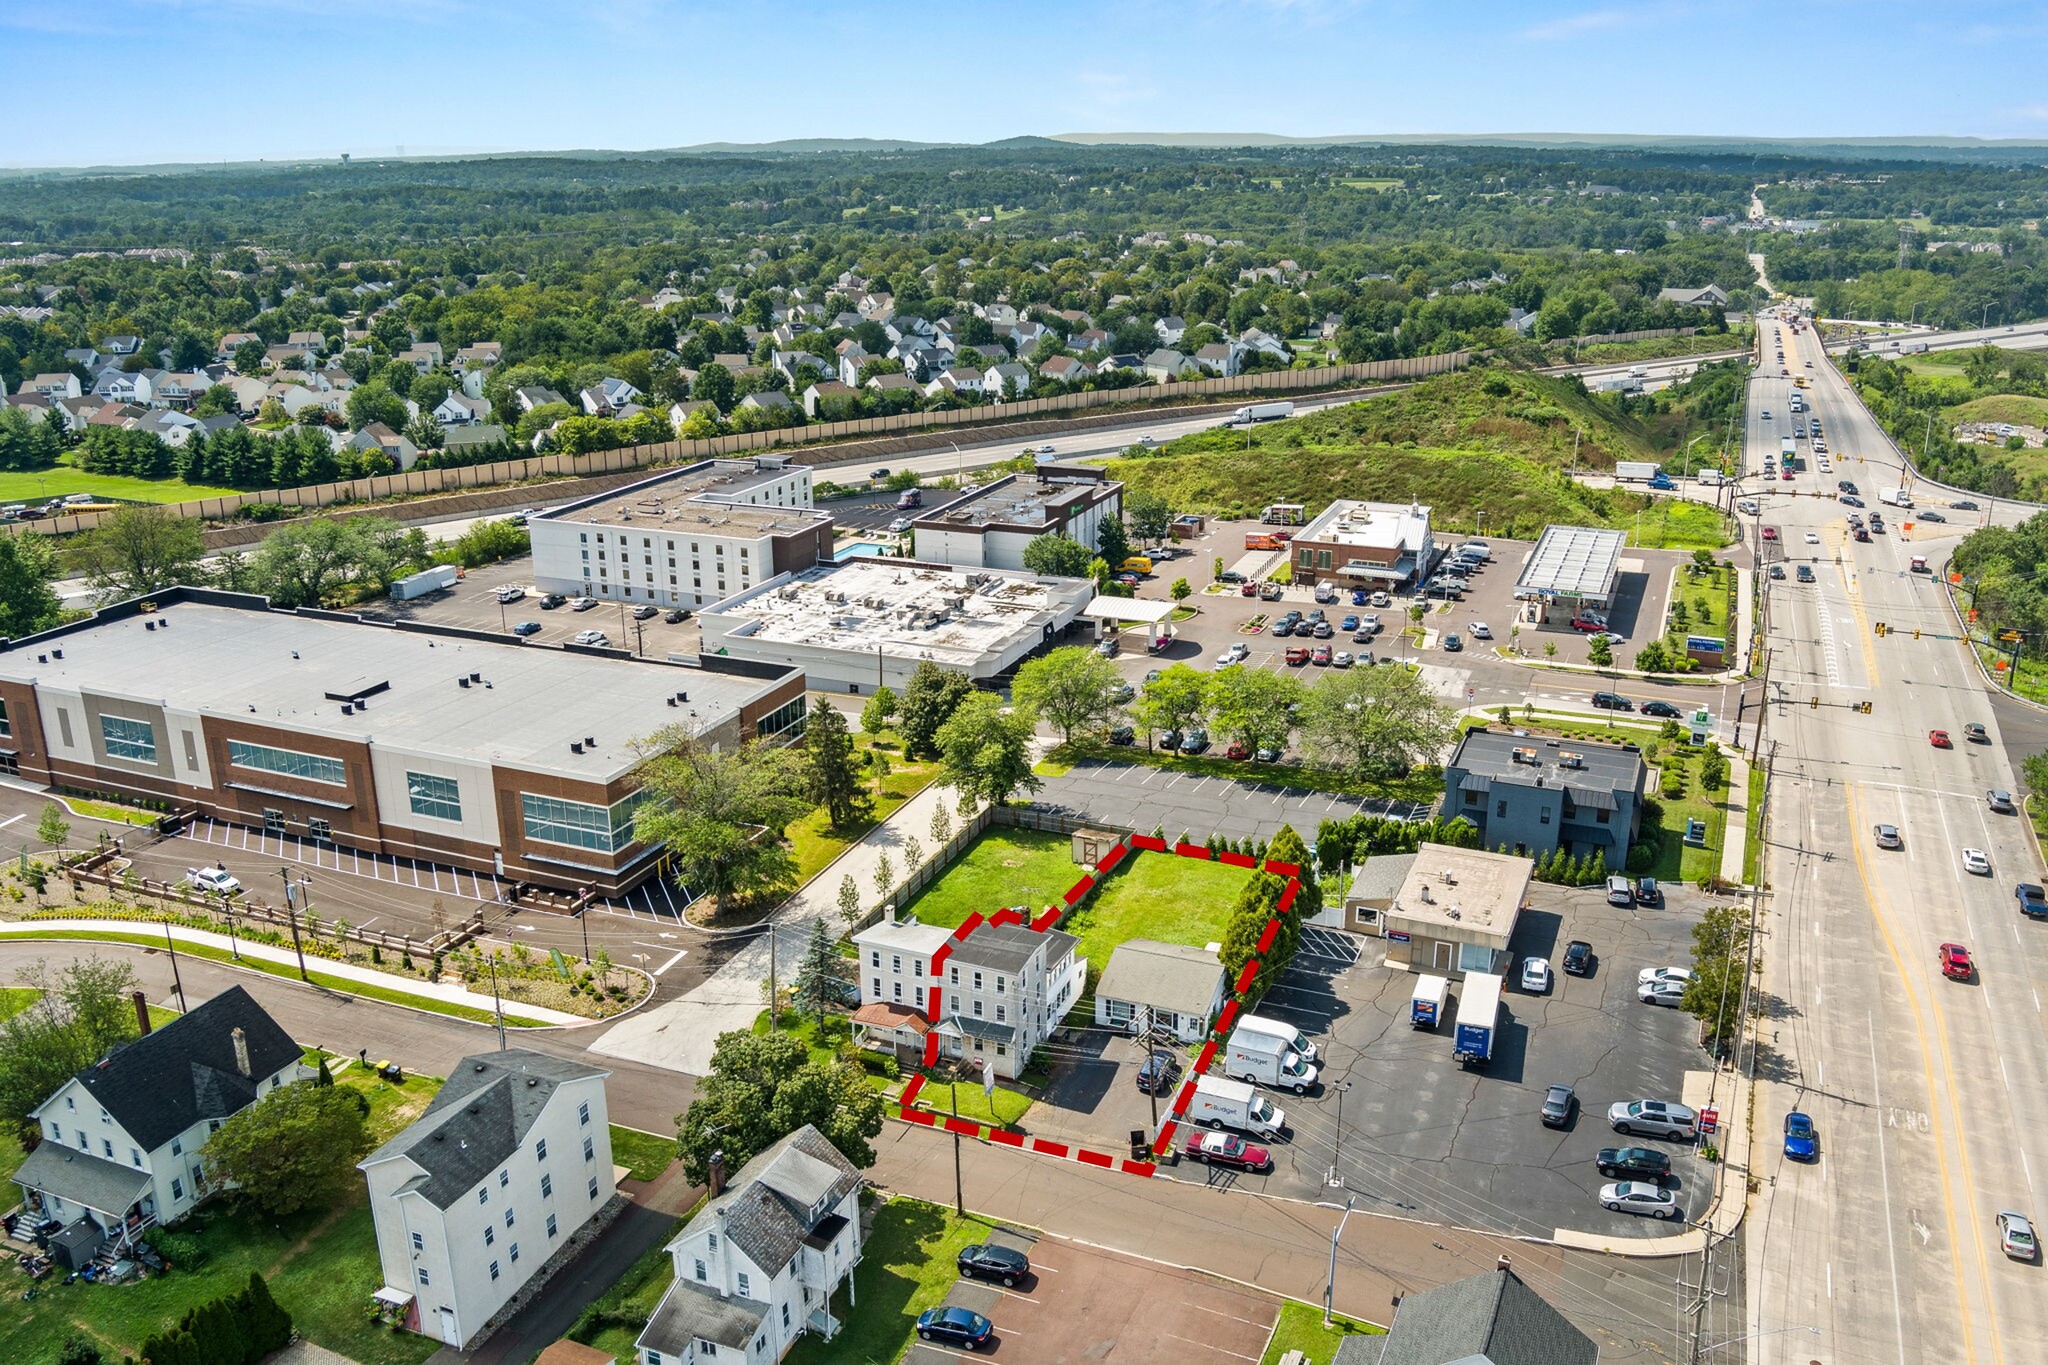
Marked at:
<point>1947,1086</point>
<point>1852,586</point>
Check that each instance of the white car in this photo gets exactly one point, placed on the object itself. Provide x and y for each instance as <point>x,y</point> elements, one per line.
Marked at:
<point>1342,659</point>
<point>1976,863</point>
<point>1536,975</point>
<point>1233,655</point>
<point>899,526</point>
<point>1043,450</point>
<point>582,603</point>
<point>1639,1196</point>
<point>1612,637</point>
<point>1481,631</point>
<point>1812,538</point>
<point>213,881</point>
<point>1649,974</point>
<point>1747,505</point>
<point>1667,992</point>
<point>511,592</point>
<point>592,637</point>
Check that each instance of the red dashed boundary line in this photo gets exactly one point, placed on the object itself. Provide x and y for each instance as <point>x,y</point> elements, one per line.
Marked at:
<point>1225,1018</point>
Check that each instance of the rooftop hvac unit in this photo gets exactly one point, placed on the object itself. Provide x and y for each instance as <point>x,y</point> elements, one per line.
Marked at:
<point>1567,759</point>
<point>1524,755</point>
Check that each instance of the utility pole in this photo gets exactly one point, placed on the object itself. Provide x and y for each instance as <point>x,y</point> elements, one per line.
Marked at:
<point>497,1005</point>
<point>227,908</point>
<point>1330,1285</point>
<point>177,982</point>
<point>771,978</point>
<point>1337,1152</point>
<point>1763,708</point>
<point>292,917</point>
<point>1704,1293</point>
<point>959,1197</point>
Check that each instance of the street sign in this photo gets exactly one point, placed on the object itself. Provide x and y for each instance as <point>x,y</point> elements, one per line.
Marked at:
<point>1468,694</point>
<point>2009,636</point>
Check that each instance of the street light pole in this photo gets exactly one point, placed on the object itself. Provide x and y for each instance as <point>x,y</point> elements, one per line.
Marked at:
<point>1337,1151</point>
<point>177,982</point>
<point>227,908</point>
<point>1330,1285</point>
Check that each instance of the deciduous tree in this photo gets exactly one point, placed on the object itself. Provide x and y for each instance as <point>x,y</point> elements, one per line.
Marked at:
<point>295,1148</point>
<point>1175,700</point>
<point>1071,688</point>
<point>985,751</point>
<point>1375,722</point>
<point>722,813</point>
<point>1058,556</point>
<point>81,1012</point>
<point>139,549</point>
<point>763,1087</point>
<point>27,602</point>
<point>1252,705</point>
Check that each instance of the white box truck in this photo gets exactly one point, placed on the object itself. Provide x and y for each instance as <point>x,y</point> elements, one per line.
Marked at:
<point>1265,1059</point>
<point>440,578</point>
<point>1635,471</point>
<point>1896,497</point>
<point>1223,1103</point>
<point>1426,1006</point>
<point>1478,1018</point>
<point>1261,412</point>
<point>1295,1040</point>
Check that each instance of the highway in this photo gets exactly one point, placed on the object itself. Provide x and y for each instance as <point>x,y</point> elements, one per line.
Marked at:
<point>1931,1095</point>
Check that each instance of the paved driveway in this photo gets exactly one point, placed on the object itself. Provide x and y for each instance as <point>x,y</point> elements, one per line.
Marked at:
<point>1132,796</point>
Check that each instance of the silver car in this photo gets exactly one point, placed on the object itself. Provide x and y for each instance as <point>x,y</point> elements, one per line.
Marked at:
<point>1655,1118</point>
<point>1637,1196</point>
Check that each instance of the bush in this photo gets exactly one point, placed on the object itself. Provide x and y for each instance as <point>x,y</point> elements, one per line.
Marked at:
<point>182,1250</point>
<point>1643,855</point>
<point>881,1064</point>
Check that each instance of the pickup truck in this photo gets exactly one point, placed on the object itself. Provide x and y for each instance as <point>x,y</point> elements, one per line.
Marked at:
<point>1297,655</point>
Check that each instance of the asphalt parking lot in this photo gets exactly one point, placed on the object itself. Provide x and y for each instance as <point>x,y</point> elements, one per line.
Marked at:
<point>1135,796</point>
<point>473,605</point>
<point>1085,1303</point>
<point>1424,1137</point>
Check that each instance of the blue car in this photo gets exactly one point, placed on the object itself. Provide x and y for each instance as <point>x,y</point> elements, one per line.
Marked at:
<point>1350,624</point>
<point>1358,595</point>
<point>525,628</point>
<point>1802,1143</point>
<point>955,1325</point>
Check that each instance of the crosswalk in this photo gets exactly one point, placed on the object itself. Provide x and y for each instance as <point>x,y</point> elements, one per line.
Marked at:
<point>655,899</point>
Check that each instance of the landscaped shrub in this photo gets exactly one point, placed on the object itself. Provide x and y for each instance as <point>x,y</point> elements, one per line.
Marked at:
<point>236,1329</point>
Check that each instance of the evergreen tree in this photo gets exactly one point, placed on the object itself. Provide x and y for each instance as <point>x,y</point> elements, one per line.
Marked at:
<point>836,782</point>
<point>818,978</point>
<point>323,1076</point>
<point>266,1326</point>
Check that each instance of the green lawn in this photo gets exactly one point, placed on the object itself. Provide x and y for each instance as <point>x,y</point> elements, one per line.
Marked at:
<point>15,999</point>
<point>44,484</point>
<point>1706,604</point>
<point>1676,524</point>
<point>907,1265</point>
<point>1159,896</point>
<point>1676,859</point>
<point>1003,1109</point>
<point>646,1155</point>
<point>107,810</point>
<point>322,1267</point>
<point>1003,867</point>
<point>816,843</point>
<point>1301,1329</point>
<point>1753,849</point>
<point>616,1320</point>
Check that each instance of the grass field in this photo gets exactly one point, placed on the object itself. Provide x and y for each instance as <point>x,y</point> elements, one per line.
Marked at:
<point>907,1265</point>
<point>816,843</point>
<point>645,1155</point>
<point>1000,1110</point>
<point>1158,896</point>
<point>1753,850</point>
<point>41,485</point>
<point>2018,409</point>
<point>322,1267</point>
<point>1301,1329</point>
<point>1002,867</point>
<point>1706,604</point>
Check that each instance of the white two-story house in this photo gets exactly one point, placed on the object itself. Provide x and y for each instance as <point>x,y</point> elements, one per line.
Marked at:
<point>1002,990</point>
<point>477,1196</point>
<point>758,1266</point>
<point>121,1141</point>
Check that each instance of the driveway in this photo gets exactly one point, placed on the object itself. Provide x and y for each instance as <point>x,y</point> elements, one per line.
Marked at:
<point>1133,796</point>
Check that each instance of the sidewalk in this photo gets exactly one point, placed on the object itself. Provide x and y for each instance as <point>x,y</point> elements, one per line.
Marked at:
<point>680,1034</point>
<point>346,971</point>
<point>1735,841</point>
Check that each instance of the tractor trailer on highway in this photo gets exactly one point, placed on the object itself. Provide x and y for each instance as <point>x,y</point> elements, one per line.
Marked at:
<point>1261,412</point>
<point>1634,471</point>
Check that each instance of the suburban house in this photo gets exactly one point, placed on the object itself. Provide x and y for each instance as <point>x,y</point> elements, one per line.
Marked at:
<point>1002,990</point>
<point>1064,369</point>
<point>834,396</point>
<point>1090,340</point>
<point>459,409</point>
<point>1150,986</point>
<point>481,356</point>
<point>1533,796</point>
<point>1487,1319</point>
<point>1006,380</point>
<point>536,396</point>
<point>396,448</point>
<point>1170,329</point>
<point>229,343</point>
<point>771,401</point>
<point>121,1141</point>
<point>1220,358</point>
<point>1164,364</point>
<point>423,356</point>
<point>480,1193</point>
<point>1713,296</point>
<point>758,1265</point>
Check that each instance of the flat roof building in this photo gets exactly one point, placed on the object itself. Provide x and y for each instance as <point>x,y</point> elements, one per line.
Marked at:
<point>684,538</point>
<point>864,622</point>
<point>1571,569</point>
<point>1535,795</point>
<point>461,747</point>
<point>1456,911</point>
<point>1354,544</point>
<point>991,527</point>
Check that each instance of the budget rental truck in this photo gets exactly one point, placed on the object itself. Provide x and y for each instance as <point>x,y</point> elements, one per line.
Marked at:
<point>1263,1058</point>
<point>1294,1039</point>
<point>1478,1018</point>
<point>1223,1103</point>
<point>1426,1006</point>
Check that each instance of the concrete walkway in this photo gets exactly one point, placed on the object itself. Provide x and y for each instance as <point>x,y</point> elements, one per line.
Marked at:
<point>680,1034</point>
<point>346,971</point>
<point>1735,842</point>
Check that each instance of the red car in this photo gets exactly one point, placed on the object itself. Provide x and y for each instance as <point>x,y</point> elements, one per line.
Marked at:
<point>1248,590</point>
<point>1939,739</point>
<point>1297,655</point>
<point>1770,533</point>
<point>1237,751</point>
<point>1589,624</point>
<point>1955,962</point>
<point>1786,475</point>
<point>1321,657</point>
<point>1226,1149</point>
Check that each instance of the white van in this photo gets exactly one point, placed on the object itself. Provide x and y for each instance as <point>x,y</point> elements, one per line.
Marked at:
<point>1290,1037</point>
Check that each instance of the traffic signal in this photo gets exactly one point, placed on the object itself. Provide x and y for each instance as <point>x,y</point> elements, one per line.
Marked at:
<point>1882,630</point>
<point>1916,632</point>
<point>1813,703</point>
<point>1864,707</point>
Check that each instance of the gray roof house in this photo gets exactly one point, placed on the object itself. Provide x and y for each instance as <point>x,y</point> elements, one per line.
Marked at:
<point>486,1188</point>
<point>1488,1319</point>
<point>1158,985</point>
<point>1531,795</point>
<point>757,1267</point>
<point>1712,296</point>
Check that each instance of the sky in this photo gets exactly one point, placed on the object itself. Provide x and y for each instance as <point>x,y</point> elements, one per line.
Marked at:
<point>142,81</point>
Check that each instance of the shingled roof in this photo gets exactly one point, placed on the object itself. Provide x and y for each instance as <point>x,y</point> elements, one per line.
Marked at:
<point>768,1211</point>
<point>480,1117</point>
<point>164,1082</point>
<point>1493,1318</point>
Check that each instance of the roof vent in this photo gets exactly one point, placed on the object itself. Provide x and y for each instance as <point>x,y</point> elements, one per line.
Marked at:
<point>532,1081</point>
<point>479,1067</point>
<point>348,708</point>
<point>56,653</point>
<point>476,677</point>
<point>671,701</point>
<point>575,747</point>
<point>165,625</point>
<point>44,658</point>
<point>462,682</point>
<point>590,741</point>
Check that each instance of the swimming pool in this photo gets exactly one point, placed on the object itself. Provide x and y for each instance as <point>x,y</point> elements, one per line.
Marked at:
<point>860,549</point>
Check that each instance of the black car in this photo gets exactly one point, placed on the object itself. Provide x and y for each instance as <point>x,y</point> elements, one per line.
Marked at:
<point>1844,486</point>
<point>1932,516</point>
<point>955,1325</point>
<point>1612,701</point>
<point>1634,1163</point>
<point>1230,576</point>
<point>1158,1074</point>
<point>1169,740</point>
<point>677,616</point>
<point>1661,708</point>
<point>551,601</point>
<point>1557,1106</point>
<point>1122,734</point>
<point>1648,892</point>
<point>1850,500</point>
<point>990,1262</point>
<point>878,473</point>
<point>1578,958</point>
<point>1777,570</point>
<point>1962,505</point>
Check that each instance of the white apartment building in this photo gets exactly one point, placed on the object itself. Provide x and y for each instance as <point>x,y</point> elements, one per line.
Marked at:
<point>1001,991</point>
<point>991,527</point>
<point>121,1141</point>
<point>685,538</point>
<point>481,1191</point>
<point>758,1265</point>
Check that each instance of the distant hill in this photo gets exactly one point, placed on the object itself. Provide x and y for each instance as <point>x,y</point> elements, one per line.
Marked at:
<point>1901,148</point>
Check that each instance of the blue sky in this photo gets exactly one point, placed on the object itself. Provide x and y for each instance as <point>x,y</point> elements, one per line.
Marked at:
<point>122,81</point>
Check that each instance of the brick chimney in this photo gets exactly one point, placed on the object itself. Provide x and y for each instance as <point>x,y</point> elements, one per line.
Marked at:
<point>241,1041</point>
<point>717,1174</point>
<point>141,1011</point>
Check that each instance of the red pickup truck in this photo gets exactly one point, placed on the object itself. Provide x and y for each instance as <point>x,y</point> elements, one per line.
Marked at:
<point>1297,655</point>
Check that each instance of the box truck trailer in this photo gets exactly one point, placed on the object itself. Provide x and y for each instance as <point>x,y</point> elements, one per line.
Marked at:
<point>1265,1059</point>
<point>440,578</point>
<point>1292,1037</point>
<point>1426,1006</point>
<point>1635,471</point>
<point>1223,1103</point>
<point>1261,412</point>
<point>1478,1018</point>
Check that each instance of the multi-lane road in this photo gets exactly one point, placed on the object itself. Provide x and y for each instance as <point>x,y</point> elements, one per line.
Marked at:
<point>1931,1095</point>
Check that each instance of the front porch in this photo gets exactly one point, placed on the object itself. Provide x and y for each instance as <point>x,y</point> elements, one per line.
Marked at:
<point>86,1209</point>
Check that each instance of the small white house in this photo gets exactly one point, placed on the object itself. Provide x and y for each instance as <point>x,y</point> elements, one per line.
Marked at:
<point>758,1265</point>
<point>121,1141</point>
<point>483,1190</point>
<point>1150,985</point>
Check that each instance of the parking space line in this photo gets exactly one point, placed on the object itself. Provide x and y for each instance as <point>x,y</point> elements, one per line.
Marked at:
<point>681,953</point>
<point>1206,1345</point>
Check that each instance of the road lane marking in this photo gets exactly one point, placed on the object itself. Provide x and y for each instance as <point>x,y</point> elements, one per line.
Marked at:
<point>680,955</point>
<point>10,820</point>
<point>1885,1180</point>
